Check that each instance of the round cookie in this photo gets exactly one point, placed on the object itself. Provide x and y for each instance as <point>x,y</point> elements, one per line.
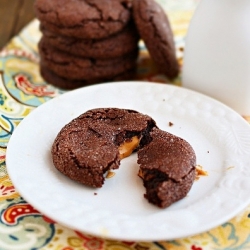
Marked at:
<point>78,68</point>
<point>85,19</point>
<point>167,168</point>
<point>154,29</point>
<point>65,83</point>
<point>116,45</point>
<point>91,144</point>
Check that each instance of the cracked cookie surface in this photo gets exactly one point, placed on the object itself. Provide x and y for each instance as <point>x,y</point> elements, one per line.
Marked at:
<point>167,168</point>
<point>89,19</point>
<point>95,142</point>
<point>88,146</point>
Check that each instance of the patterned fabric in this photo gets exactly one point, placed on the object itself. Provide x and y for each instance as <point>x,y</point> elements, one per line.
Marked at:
<point>21,90</point>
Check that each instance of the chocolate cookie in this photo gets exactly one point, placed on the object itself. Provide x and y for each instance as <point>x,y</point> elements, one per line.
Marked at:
<point>85,19</point>
<point>65,83</point>
<point>90,145</point>
<point>167,168</point>
<point>115,45</point>
<point>155,30</point>
<point>78,68</point>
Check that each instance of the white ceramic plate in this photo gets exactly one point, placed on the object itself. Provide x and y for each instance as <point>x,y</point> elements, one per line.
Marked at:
<point>219,136</point>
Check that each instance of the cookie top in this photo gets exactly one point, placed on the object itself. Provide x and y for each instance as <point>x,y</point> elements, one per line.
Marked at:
<point>115,45</point>
<point>154,28</point>
<point>88,146</point>
<point>168,154</point>
<point>86,19</point>
<point>117,124</point>
<point>167,168</point>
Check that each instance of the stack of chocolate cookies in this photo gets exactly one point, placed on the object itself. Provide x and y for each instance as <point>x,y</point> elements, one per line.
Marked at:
<point>92,41</point>
<point>86,42</point>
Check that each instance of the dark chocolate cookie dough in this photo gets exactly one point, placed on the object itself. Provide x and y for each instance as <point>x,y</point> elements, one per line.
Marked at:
<point>90,145</point>
<point>167,168</point>
<point>88,19</point>
<point>154,29</point>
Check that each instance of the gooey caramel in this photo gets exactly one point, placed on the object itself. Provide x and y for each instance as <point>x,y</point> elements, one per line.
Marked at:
<point>128,146</point>
<point>200,172</point>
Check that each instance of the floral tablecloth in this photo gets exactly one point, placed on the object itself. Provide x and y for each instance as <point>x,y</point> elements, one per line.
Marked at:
<point>21,90</point>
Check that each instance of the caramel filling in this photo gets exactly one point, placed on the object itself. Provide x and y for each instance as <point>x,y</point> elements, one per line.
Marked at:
<point>200,172</point>
<point>140,174</point>
<point>127,147</point>
<point>110,174</point>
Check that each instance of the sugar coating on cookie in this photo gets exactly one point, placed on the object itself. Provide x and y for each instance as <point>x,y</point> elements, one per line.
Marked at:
<point>167,168</point>
<point>90,145</point>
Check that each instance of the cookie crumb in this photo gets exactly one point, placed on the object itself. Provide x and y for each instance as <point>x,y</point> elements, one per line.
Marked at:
<point>170,124</point>
<point>95,193</point>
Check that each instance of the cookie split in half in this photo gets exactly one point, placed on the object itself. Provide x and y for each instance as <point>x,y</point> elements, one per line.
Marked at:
<point>96,141</point>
